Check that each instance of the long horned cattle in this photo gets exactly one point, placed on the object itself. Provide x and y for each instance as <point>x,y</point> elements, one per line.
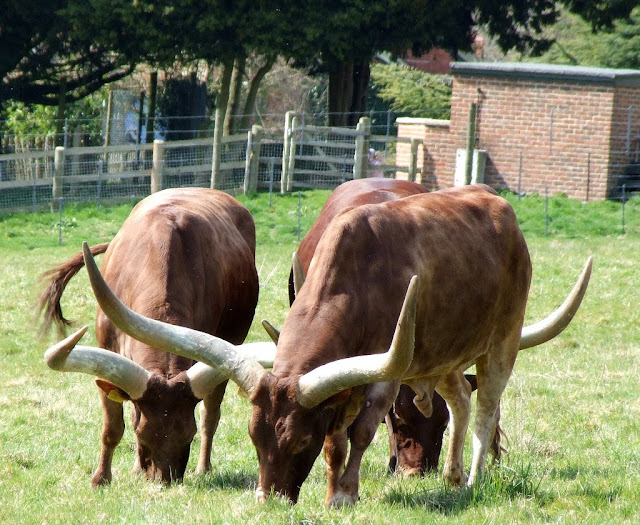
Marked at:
<point>413,290</point>
<point>415,441</point>
<point>186,257</point>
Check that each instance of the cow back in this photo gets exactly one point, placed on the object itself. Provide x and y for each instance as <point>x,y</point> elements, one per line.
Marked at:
<point>474,269</point>
<point>187,257</point>
<point>348,195</point>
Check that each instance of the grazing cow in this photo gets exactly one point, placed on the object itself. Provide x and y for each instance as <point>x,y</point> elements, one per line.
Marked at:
<point>185,257</point>
<point>463,262</point>
<point>415,441</point>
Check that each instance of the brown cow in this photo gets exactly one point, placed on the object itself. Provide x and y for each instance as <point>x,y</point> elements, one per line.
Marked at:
<point>186,257</point>
<point>415,441</point>
<point>467,268</point>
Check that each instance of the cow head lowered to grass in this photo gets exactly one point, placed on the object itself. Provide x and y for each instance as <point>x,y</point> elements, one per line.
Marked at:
<point>185,257</point>
<point>413,290</point>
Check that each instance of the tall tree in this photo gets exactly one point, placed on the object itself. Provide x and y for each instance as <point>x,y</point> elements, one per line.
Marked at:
<point>87,44</point>
<point>576,43</point>
<point>348,34</point>
<point>41,48</point>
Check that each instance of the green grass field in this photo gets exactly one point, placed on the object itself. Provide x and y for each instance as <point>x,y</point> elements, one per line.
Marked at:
<point>571,409</point>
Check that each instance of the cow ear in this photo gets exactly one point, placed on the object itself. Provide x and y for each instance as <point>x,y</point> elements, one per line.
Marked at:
<point>113,392</point>
<point>338,398</point>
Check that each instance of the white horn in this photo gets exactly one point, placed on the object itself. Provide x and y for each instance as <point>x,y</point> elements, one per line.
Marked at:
<point>179,340</point>
<point>204,378</point>
<point>65,356</point>
<point>329,379</point>
<point>298,273</point>
<point>554,324</point>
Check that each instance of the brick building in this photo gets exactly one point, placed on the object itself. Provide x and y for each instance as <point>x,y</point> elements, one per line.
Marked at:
<point>561,129</point>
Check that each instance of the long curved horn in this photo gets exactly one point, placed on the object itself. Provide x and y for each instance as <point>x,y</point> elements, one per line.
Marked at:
<point>298,273</point>
<point>554,324</point>
<point>178,340</point>
<point>271,330</point>
<point>204,378</point>
<point>327,380</point>
<point>65,356</point>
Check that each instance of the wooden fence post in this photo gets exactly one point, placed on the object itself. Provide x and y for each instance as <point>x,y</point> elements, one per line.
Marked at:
<point>58,174</point>
<point>157,167</point>
<point>361,155</point>
<point>253,159</point>
<point>288,151</point>
<point>216,179</point>
<point>413,158</point>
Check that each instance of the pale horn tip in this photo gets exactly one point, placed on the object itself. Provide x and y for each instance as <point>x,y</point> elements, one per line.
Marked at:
<point>56,355</point>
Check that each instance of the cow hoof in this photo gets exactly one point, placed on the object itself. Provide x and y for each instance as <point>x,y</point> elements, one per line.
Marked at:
<point>455,477</point>
<point>410,472</point>
<point>203,470</point>
<point>98,480</point>
<point>340,499</point>
<point>261,497</point>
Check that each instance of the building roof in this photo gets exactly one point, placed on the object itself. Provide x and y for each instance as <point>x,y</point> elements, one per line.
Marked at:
<point>548,72</point>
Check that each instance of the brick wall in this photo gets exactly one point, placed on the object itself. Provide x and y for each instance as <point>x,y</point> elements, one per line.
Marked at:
<point>435,161</point>
<point>545,128</point>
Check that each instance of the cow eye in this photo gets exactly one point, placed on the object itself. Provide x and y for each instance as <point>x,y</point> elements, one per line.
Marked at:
<point>302,444</point>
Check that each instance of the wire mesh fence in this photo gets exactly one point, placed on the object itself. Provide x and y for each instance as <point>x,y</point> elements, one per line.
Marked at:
<point>319,157</point>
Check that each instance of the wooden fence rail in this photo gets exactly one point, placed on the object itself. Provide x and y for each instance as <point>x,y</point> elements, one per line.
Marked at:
<point>302,156</point>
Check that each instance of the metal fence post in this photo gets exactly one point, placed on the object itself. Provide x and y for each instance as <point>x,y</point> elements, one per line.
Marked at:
<point>413,158</point>
<point>520,178</point>
<point>58,174</point>
<point>33,187</point>
<point>361,155</point>
<point>624,202</point>
<point>99,188</point>
<point>60,206</point>
<point>299,212</point>
<point>157,165</point>
<point>272,162</point>
<point>546,211</point>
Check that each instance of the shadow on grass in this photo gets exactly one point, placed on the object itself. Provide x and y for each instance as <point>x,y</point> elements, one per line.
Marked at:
<point>501,483</point>
<point>237,479</point>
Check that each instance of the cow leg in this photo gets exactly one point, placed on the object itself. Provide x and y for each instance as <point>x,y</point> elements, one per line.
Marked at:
<point>493,371</point>
<point>335,455</point>
<point>112,431</point>
<point>456,391</point>
<point>378,400</point>
<point>209,418</point>
<point>389,421</point>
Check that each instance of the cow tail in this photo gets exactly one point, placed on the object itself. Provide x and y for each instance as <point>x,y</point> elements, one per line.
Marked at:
<point>56,281</point>
<point>497,447</point>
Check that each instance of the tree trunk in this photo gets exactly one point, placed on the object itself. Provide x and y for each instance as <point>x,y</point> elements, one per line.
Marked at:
<point>151,114</point>
<point>230,124</point>
<point>222,100</point>
<point>249,106</point>
<point>62,110</point>
<point>221,110</point>
<point>348,85</point>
